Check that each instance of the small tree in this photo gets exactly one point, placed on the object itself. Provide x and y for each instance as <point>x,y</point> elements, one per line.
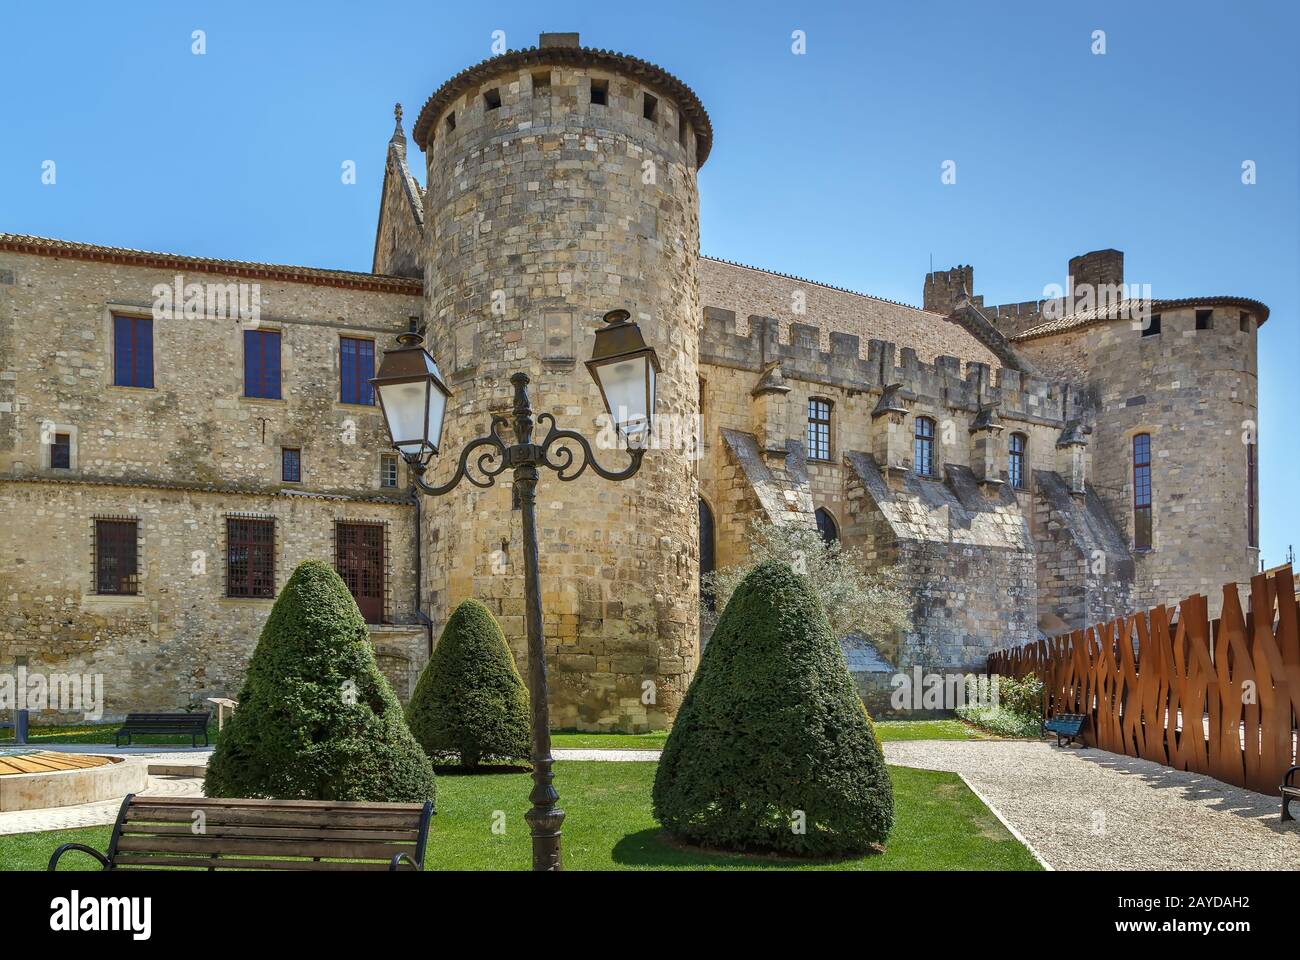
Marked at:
<point>869,604</point>
<point>316,718</point>
<point>772,748</point>
<point>469,704</point>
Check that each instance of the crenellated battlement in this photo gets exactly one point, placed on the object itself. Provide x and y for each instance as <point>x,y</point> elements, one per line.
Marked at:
<point>949,381</point>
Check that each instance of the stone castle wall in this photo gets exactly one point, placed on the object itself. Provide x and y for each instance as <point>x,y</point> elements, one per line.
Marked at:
<point>543,213</point>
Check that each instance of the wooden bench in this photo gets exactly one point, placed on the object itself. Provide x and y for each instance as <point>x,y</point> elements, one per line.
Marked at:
<point>205,833</point>
<point>1289,792</point>
<point>1066,726</point>
<point>193,724</point>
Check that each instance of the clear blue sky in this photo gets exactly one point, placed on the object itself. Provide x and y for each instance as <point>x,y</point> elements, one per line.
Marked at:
<point>824,165</point>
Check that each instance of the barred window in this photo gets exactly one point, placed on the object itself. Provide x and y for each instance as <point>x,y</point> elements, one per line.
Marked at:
<point>923,447</point>
<point>1016,461</point>
<point>250,557</point>
<point>388,470</point>
<point>1142,491</point>
<point>116,562</point>
<point>819,429</point>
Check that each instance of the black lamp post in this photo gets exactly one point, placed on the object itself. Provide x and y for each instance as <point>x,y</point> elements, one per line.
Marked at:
<point>414,399</point>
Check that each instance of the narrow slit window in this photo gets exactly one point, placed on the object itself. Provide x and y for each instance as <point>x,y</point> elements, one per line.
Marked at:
<point>1142,491</point>
<point>1252,495</point>
<point>1245,322</point>
<point>923,447</point>
<point>819,429</point>
<point>682,128</point>
<point>650,107</point>
<point>1016,462</point>
<point>451,121</point>
<point>492,99</point>
<point>600,92</point>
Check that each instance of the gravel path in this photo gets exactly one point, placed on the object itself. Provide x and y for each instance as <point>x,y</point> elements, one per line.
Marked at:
<point>1093,810</point>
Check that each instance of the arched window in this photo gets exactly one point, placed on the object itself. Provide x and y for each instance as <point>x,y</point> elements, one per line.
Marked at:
<point>826,525</point>
<point>707,560</point>
<point>923,449</point>
<point>819,429</point>
<point>1142,491</point>
<point>1016,461</point>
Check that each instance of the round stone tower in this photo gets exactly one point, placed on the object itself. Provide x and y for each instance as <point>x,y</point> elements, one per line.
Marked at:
<point>1176,428</point>
<point>562,185</point>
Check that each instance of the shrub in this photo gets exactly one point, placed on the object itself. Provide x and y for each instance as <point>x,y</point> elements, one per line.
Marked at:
<point>1018,711</point>
<point>772,732</point>
<point>1024,696</point>
<point>469,704</point>
<point>316,718</point>
<point>1001,721</point>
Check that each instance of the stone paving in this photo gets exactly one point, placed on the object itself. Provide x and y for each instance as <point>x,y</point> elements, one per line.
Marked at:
<point>1092,810</point>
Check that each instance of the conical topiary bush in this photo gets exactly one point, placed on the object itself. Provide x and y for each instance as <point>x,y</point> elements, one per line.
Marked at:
<point>316,719</point>
<point>469,705</point>
<point>772,749</point>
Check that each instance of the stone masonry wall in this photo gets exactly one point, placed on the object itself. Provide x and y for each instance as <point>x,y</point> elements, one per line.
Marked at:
<point>544,213</point>
<point>179,457</point>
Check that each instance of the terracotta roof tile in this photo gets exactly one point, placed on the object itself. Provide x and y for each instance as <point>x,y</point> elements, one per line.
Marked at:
<point>49,247</point>
<point>1125,309</point>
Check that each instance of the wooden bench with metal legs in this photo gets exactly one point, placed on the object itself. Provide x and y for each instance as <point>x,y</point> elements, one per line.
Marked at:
<point>209,833</point>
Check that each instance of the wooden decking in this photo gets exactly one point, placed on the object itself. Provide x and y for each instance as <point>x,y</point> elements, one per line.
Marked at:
<point>45,762</point>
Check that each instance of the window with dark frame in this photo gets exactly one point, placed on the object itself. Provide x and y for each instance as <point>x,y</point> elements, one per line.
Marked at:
<point>116,560</point>
<point>1204,319</point>
<point>708,562</point>
<point>132,351</point>
<point>388,470</point>
<point>1252,493</point>
<point>923,447</point>
<point>819,429</point>
<point>826,525</point>
<point>1016,461</point>
<point>61,452</point>
<point>1152,329</point>
<point>1142,491</point>
<point>262,364</point>
<point>291,464</point>
<point>250,557</point>
<point>356,367</point>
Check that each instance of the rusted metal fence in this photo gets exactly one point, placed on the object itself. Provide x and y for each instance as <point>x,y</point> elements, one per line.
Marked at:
<point>1219,697</point>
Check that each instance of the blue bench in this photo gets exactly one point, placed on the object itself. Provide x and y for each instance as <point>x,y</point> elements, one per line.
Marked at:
<point>1066,726</point>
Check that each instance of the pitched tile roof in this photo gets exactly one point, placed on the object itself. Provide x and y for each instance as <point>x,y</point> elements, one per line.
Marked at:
<point>1128,307</point>
<point>49,247</point>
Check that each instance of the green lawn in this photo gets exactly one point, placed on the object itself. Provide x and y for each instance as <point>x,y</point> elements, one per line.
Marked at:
<point>928,730</point>
<point>940,825</point>
<point>578,740</point>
